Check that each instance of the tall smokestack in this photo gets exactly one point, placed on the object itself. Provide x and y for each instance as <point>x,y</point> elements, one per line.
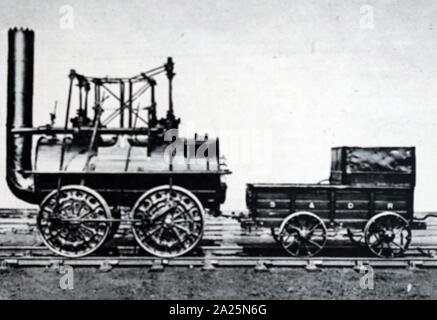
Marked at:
<point>19,113</point>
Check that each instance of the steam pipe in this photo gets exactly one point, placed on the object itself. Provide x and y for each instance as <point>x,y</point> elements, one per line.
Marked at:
<point>19,114</point>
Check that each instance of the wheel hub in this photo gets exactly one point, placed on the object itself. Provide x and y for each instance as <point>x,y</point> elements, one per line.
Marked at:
<point>388,236</point>
<point>304,233</point>
<point>168,222</point>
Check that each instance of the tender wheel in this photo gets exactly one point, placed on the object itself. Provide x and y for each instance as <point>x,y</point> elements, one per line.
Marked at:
<point>302,233</point>
<point>387,234</point>
<point>72,222</point>
<point>171,221</point>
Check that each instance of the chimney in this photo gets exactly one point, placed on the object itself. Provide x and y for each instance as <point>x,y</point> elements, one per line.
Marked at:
<point>19,113</point>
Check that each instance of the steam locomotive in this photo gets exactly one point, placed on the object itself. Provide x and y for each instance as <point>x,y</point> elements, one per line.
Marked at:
<point>80,174</point>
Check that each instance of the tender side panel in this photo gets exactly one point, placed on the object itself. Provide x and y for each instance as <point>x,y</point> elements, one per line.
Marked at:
<point>313,200</point>
<point>352,207</point>
<point>271,204</point>
<point>352,204</point>
<point>400,201</point>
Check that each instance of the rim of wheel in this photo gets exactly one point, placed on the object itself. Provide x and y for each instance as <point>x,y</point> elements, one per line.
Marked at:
<point>171,223</point>
<point>68,234</point>
<point>303,233</point>
<point>387,234</point>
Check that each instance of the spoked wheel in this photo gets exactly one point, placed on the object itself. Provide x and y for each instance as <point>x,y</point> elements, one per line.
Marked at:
<point>171,221</point>
<point>73,223</point>
<point>302,234</point>
<point>387,234</point>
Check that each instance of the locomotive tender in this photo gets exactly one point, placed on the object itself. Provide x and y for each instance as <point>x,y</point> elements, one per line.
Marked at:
<point>370,193</point>
<point>82,173</point>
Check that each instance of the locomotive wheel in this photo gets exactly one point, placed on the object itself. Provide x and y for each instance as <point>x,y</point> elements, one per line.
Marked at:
<point>171,221</point>
<point>72,222</point>
<point>387,234</point>
<point>302,233</point>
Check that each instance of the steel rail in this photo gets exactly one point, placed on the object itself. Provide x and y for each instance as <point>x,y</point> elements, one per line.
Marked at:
<point>260,263</point>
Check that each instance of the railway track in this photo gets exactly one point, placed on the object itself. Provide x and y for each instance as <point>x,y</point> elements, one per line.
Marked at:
<point>212,262</point>
<point>225,244</point>
<point>205,258</point>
